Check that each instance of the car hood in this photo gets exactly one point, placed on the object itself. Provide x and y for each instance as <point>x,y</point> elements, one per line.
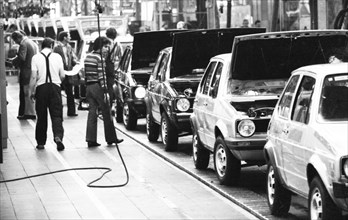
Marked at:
<point>333,136</point>
<point>141,76</point>
<point>147,45</point>
<point>193,49</point>
<point>276,55</point>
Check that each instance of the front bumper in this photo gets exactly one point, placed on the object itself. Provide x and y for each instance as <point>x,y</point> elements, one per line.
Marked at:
<point>247,150</point>
<point>139,106</point>
<point>182,121</point>
<point>340,191</point>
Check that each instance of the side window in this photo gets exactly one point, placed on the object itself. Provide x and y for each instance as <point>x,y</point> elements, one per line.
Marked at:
<point>156,67</point>
<point>207,77</point>
<point>215,81</point>
<point>285,102</point>
<point>303,100</point>
<point>162,67</point>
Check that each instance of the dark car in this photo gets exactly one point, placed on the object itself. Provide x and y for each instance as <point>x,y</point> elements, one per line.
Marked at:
<point>133,74</point>
<point>175,78</point>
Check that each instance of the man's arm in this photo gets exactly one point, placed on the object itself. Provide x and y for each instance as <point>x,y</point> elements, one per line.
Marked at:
<point>22,52</point>
<point>61,71</point>
<point>33,78</point>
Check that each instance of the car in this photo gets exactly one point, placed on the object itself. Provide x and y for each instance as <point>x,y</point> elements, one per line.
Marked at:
<point>133,73</point>
<point>239,90</point>
<point>307,146</point>
<point>174,80</point>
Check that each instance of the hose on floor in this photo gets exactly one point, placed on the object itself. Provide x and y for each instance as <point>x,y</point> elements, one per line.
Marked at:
<point>91,184</point>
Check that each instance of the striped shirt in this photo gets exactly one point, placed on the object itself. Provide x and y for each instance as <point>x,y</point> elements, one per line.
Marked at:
<point>94,72</point>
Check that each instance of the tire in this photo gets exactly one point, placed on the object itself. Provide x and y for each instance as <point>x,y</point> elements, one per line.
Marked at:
<point>169,134</point>
<point>200,154</point>
<point>119,111</point>
<point>278,197</point>
<point>320,204</point>
<point>129,117</point>
<point>152,129</point>
<point>227,167</point>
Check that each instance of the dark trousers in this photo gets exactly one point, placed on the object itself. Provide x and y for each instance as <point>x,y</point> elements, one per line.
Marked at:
<point>21,108</point>
<point>95,98</point>
<point>48,96</point>
<point>70,99</point>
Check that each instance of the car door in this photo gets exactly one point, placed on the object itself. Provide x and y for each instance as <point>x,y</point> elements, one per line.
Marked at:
<point>212,106</point>
<point>280,125</point>
<point>298,130</point>
<point>200,101</point>
<point>156,85</point>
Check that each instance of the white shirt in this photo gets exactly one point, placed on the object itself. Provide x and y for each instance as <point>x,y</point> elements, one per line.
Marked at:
<point>38,66</point>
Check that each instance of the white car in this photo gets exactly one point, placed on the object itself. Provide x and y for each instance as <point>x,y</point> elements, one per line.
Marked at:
<point>238,92</point>
<point>307,147</point>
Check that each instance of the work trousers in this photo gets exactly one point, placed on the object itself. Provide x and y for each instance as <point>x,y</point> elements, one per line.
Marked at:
<point>95,98</point>
<point>70,99</point>
<point>48,96</point>
<point>21,108</point>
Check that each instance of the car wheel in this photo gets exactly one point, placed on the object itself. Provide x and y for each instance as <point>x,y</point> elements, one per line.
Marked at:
<point>169,134</point>
<point>227,167</point>
<point>129,117</point>
<point>152,129</point>
<point>119,111</point>
<point>200,154</point>
<point>320,203</point>
<point>278,197</point>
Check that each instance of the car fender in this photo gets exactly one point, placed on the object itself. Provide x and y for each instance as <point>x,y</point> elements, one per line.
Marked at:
<point>221,126</point>
<point>320,168</point>
<point>164,107</point>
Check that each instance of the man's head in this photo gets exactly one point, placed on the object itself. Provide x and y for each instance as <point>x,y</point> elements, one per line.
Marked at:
<point>257,23</point>
<point>101,43</point>
<point>111,33</point>
<point>48,43</point>
<point>245,23</point>
<point>12,28</point>
<point>17,37</point>
<point>64,37</point>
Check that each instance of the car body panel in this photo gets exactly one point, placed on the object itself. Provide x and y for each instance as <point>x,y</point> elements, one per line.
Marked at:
<point>303,149</point>
<point>178,71</point>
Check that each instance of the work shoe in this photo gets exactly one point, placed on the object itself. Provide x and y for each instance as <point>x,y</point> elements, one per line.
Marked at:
<point>93,144</point>
<point>40,147</point>
<point>60,145</point>
<point>117,142</point>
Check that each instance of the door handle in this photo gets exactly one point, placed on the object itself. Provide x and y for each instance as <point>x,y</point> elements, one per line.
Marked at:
<point>285,131</point>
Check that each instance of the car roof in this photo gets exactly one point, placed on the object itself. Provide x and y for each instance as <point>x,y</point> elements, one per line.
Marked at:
<point>224,56</point>
<point>291,34</point>
<point>324,69</point>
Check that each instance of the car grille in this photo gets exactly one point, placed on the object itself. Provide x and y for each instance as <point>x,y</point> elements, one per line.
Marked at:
<point>261,125</point>
<point>141,79</point>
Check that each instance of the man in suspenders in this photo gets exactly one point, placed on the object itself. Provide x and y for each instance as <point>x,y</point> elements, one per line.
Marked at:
<point>46,78</point>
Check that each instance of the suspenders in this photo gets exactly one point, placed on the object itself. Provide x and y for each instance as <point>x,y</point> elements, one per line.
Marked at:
<point>48,73</point>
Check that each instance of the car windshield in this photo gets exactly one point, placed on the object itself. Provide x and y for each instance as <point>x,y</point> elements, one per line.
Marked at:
<point>334,99</point>
<point>256,87</point>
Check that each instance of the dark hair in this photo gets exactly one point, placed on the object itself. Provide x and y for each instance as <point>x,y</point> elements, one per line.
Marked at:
<point>111,33</point>
<point>17,35</point>
<point>13,27</point>
<point>47,43</point>
<point>61,35</point>
<point>257,21</point>
<point>100,42</point>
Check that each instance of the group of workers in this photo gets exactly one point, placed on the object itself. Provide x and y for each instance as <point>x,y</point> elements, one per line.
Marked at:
<point>42,77</point>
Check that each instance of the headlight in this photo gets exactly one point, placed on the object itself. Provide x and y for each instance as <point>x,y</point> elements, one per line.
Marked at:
<point>345,167</point>
<point>246,128</point>
<point>183,104</point>
<point>140,92</point>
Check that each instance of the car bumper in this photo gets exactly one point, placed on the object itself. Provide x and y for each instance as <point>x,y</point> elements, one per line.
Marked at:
<point>248,150</point>
<point>139,106</point>
<point>182,122</point>
<point>340,191</point>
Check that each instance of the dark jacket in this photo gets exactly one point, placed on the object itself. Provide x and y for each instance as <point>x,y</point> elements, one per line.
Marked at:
<point>27,49</point>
